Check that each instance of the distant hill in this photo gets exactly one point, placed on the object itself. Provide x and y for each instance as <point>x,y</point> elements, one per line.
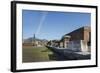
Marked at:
<point>29,40</point>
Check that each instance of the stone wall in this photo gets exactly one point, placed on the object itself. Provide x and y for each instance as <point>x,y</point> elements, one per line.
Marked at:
<point>78,46</point>
<point>83,33</point>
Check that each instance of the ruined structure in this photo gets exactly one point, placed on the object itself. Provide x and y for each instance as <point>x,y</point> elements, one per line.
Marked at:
<point>77,40</point>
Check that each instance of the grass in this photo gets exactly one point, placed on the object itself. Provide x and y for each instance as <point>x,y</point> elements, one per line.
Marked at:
<point>36,54</point>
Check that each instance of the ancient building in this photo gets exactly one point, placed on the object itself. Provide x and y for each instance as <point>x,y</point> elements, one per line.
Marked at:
<point>80,39</point>
<point>64,41</point>
<point>77,40</point>
<point>83,33</point>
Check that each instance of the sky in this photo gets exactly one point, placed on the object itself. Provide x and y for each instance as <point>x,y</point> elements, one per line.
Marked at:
<point>52,25</point>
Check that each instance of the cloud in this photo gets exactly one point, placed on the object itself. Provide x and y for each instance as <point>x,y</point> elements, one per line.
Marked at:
<point>41,22</point>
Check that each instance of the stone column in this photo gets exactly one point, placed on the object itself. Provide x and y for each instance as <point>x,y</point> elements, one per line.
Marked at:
<point>65,41</point>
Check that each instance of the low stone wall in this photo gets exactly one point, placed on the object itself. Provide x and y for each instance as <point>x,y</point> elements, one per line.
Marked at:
<point>78,46</point>
<point>69,54</point>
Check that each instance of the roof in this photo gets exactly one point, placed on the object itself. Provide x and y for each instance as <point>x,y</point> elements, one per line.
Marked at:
<point>84,27</point>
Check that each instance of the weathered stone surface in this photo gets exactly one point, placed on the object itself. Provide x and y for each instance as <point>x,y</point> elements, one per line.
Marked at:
<point>67,54</point>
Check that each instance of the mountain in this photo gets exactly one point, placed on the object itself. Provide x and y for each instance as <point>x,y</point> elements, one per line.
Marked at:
<point>29,40</point>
